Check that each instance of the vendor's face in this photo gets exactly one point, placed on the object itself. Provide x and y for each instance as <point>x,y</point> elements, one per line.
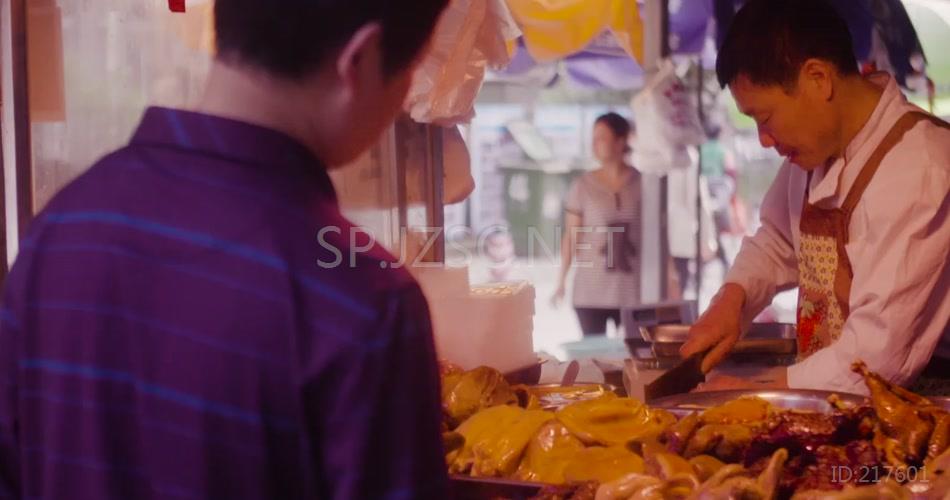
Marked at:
<point>798,123</point>
<point>607,146</point>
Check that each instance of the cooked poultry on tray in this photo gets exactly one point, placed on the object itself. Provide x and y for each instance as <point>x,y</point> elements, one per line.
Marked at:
<point>609,447</point>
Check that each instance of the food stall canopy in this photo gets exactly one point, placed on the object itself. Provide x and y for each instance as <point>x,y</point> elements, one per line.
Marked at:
<point>605,62</point>
<point>881,29</point>
<point>558,28</point>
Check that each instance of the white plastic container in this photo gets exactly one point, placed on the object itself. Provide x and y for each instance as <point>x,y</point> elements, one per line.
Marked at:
<point>490,325</point>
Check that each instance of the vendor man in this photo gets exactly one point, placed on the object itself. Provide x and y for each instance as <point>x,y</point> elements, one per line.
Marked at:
<point>856,217</point>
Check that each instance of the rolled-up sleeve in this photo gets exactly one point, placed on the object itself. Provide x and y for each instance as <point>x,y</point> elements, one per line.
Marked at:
<point>767,264</point>
<point>899,301</point>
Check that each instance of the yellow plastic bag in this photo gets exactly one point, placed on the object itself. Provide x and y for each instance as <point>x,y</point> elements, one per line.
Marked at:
<point>558,28</point>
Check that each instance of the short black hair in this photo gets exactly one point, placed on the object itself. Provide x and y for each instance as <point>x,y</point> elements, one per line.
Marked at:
<point>620,126</point>
<point>770,40</point>
<point>292,38</point>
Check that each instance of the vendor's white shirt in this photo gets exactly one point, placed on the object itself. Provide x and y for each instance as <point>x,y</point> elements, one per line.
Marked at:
<point>899,247</point>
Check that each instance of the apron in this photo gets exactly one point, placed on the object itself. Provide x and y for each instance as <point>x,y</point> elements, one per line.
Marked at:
<point>824,270</point>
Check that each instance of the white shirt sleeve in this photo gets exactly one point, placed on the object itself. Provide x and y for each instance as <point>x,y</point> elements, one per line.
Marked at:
<point>767,264</point>
<point>899,301</point>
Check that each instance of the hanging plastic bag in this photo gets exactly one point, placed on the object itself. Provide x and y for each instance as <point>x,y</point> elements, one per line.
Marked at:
<point>667,122</point>
<point>470,36</point>
<point>558,28</point>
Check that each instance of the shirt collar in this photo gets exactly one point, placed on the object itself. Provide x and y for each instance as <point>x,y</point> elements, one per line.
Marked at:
<point>234,141</point>
<point>828,183</point>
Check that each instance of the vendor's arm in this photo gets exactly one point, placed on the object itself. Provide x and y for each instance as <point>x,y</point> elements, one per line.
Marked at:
<point>765,265</point>
<point>899,301</point>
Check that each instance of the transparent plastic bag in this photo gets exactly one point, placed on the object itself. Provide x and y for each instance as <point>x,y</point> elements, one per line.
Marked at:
<point>471,35</point>
<point>667,122</point>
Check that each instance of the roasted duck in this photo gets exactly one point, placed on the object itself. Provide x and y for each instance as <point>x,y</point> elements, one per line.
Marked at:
<point>910,428</point>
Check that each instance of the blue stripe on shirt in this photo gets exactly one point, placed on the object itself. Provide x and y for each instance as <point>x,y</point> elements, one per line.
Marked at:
<point>196,272</point>
<point>371,343</point>
<point>7,318</point>
<point>91,405</point>
<point>207,241</point>
<point>98,465</point>
<point>127,315</point>
<point>173,395</point>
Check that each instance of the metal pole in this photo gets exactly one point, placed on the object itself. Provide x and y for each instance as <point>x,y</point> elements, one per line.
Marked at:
<point>664,181</point>
<point>3,218</point>
<point>656,47</point>
<point>21,111</point>
<point>17,143</point>
<point>435,192</point>
<point>400,155</point>
<point>699,184</point>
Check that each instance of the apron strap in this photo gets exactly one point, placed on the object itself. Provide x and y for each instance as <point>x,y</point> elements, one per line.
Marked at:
<point>904,124</point>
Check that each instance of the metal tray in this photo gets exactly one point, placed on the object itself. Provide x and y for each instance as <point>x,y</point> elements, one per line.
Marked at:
<point>743,348</point>
<point>480,488</point>
<point>678,333</point>
<point>788,399</point>
<point>555,396</point>
<point>778,339</point>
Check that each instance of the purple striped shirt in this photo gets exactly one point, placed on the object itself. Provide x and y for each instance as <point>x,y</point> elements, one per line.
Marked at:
<point>168,331</point>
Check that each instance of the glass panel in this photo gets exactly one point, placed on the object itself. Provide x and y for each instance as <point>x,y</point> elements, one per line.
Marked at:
<point>115,58</point>
<point>368,192</point>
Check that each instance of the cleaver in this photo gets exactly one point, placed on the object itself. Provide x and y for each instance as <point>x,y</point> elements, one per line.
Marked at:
<point>680,379</point>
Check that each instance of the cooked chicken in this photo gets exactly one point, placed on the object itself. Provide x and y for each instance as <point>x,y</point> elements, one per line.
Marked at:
<point>602,464</point>
<point>548,454</point>
<point>730,481</point>
<point>704,466</point>
<point>677,436</point>
<point>727,442</point>
<point>584,491</point>
<point>748,411</point>
<point>906,419</point>
<point>940,439</point>
<point>611,420</point>
<point>626,487</point>
<point>495,439</point>
<point>887,490</point>
<point>743,449</point>
<point>465,394</point>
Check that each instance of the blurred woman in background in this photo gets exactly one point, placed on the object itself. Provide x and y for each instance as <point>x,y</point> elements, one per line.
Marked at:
<point>601,234</point>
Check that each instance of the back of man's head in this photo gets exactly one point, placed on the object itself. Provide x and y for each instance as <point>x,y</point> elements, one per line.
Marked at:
<point>770,40</point>
<point>292,38</point>
<point>336,72</point>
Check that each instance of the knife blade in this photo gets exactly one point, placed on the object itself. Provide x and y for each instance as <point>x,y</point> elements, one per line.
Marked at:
<point>682,378</point>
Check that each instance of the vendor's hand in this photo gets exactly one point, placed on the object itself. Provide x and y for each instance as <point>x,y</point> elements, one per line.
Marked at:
<point>718,328</point>
<point>558,296</point>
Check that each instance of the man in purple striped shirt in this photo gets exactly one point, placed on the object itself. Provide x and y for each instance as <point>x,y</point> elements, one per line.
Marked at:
<point>168,331</point>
